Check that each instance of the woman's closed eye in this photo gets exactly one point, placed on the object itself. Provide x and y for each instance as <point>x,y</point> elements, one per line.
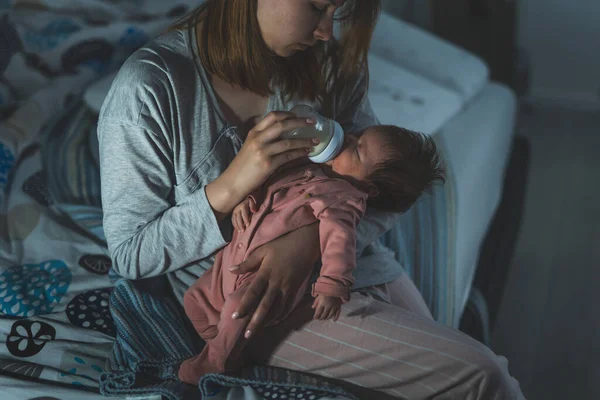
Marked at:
<point>318,8</point>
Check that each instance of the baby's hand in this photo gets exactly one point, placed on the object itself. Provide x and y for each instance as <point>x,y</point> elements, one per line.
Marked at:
<point>327,307</point>
<point>242,214</point>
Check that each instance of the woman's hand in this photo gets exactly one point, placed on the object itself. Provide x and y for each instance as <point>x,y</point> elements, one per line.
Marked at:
<point>283,265</point>
<point>327,307</point>
<point>262,153</point>
<point>242,214</point>
<point>263,150</point>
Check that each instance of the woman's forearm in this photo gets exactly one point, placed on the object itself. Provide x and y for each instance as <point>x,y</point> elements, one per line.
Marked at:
<point>222,196</point>
<point>147,233</point>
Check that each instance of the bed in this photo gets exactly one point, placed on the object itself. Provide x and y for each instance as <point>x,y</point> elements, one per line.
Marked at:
<point>56,61</point>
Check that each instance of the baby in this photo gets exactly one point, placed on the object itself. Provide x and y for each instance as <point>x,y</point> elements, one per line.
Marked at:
<point>387,167</point>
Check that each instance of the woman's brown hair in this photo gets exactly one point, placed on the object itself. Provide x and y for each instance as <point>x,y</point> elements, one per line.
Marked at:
<point>232,48</point>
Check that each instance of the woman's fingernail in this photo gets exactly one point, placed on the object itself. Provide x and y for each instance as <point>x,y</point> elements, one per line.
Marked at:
<point>310,120</point>
<point>234,268</point>
<point>316,141</point>
<point>235,315</point>
<point>248,334</point>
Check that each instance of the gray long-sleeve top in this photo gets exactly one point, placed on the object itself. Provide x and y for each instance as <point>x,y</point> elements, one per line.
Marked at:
<point>162,138</point>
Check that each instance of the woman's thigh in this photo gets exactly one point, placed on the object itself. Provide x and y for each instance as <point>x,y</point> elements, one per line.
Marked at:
<point>384,347</point>
<point>404,294</point>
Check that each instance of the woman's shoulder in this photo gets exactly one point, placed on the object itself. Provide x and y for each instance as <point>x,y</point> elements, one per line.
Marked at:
<point>150,77</point>
<point>163,57</point>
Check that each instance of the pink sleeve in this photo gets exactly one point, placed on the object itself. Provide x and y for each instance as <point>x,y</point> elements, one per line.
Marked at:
<point>337,231</point>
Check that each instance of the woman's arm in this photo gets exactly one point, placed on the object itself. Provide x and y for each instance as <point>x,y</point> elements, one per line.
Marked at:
<point>147,235</point>
<point>284,263</point>
<point>281,266</point>
<point>222,197</point>
<point>150,230</point>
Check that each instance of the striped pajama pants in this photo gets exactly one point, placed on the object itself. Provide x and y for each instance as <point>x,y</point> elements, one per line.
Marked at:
<point>393,346</point>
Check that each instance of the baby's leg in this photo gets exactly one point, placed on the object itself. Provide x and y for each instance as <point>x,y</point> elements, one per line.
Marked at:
<point>224,351</point>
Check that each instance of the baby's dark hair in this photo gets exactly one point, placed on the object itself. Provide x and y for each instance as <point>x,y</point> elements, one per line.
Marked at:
<point>412,166</point>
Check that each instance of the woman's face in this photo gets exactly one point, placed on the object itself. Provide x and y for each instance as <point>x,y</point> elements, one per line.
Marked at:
<point>289,26</point>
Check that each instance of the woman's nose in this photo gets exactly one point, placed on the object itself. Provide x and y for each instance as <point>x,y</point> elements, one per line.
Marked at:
<point>324,30</point>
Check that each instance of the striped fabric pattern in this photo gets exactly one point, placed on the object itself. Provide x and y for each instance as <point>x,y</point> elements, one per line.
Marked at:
<point>148,351</point>
<point>423,242</point>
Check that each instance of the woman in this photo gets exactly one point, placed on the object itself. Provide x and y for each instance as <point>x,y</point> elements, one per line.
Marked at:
<point>183,140</point>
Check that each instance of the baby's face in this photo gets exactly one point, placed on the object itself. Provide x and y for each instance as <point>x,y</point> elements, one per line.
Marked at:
<point>359,155</point>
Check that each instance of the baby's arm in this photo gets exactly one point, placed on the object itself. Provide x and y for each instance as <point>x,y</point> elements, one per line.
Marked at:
<point>337,231</point>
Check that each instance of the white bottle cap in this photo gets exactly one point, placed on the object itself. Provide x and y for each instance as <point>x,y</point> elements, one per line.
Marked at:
<point>333,147</point>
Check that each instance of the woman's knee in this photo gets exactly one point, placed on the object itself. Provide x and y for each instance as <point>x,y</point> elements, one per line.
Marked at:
<point>493,381</point>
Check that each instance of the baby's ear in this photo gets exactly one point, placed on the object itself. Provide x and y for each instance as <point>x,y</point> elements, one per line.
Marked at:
<point>372,190</point>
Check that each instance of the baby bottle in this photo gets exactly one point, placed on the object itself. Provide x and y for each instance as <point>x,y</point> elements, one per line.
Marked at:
<point>328,131</point>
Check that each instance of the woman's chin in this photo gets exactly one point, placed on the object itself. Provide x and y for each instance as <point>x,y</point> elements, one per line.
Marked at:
<point>287,52</point>
<point>291,50</point>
